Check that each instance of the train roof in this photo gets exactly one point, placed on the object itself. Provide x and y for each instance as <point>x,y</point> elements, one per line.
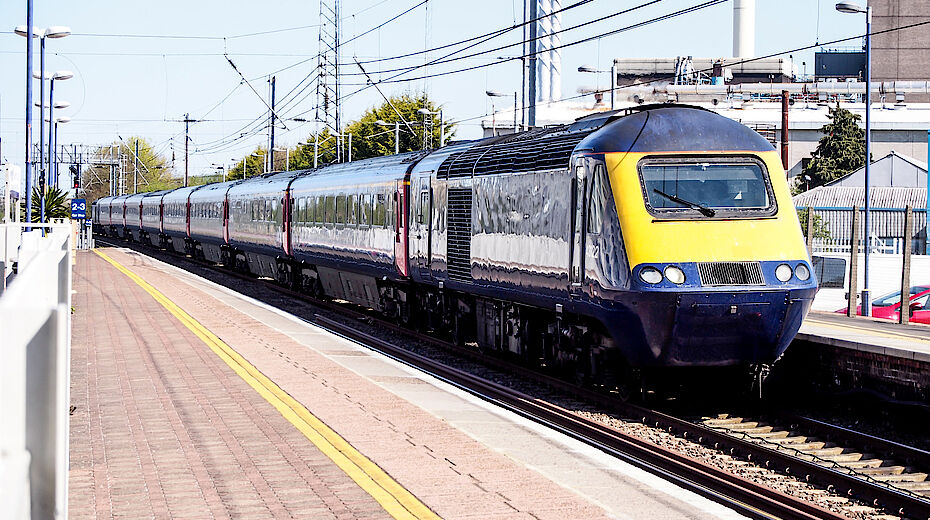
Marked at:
<point>671,128</point>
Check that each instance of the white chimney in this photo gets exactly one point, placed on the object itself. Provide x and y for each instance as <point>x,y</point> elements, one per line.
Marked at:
<point>555,55</point>
<point>544,44</point>
<point>744,28</point>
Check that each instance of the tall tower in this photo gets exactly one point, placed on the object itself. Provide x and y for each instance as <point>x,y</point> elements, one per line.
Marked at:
<point>328,106</point>
<point>744,28</point>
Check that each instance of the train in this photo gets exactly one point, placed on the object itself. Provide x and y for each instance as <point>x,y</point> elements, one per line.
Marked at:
<point>659,239</point>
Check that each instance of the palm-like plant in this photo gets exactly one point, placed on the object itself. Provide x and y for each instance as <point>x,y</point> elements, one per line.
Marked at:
<point>56,204</point>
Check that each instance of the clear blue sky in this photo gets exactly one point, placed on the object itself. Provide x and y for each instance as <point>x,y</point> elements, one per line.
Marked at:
<point>131,86</point>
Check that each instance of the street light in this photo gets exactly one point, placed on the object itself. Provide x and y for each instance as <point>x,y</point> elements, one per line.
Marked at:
<point>54,171</point>
<point>61,76</point>
<point>613,77</point>
<point>493,94</point>
<point>852,8</point>
<point>55,31</point>
<point>396,126</point>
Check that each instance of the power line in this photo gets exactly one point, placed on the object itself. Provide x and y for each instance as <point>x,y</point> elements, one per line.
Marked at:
<point>571,44</point>
<point>382,24</point>
<point>440,61</point>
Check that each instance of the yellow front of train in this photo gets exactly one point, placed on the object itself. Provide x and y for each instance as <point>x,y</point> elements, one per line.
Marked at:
<point>719,271</point>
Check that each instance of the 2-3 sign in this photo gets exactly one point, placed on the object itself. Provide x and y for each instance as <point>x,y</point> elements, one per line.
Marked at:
<point>78,208</point>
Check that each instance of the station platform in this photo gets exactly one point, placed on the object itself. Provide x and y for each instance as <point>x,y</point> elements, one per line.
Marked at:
<point>883,358</point>
<point>873,335</point>
<point>193,401</point>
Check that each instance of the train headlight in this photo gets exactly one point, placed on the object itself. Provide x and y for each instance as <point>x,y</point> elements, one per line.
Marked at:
<point>783,272</point>
<point>675,275</point>
<point>802,272</point>
<point>650,275</point>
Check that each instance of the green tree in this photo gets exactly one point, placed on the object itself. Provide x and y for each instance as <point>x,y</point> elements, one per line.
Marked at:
<point>841,149</point>
<point>57,204</point>
<point>252,165</point>
<point>820,229</point>
<point>154,173</point>
<point>372,140</point>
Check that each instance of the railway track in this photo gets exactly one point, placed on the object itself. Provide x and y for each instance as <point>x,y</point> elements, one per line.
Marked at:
<point>829,465</point>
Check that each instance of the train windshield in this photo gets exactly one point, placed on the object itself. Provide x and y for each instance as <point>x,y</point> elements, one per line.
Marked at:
<point>706,188</point>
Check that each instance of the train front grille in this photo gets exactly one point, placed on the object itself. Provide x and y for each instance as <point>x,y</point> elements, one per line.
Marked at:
<point>730,273</point>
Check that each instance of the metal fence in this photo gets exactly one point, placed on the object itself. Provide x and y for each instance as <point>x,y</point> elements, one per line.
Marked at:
<point>885,236</point>
<point>35,337</point>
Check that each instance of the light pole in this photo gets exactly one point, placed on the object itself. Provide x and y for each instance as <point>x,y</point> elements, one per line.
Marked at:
<point>613,76</point>
<point>396,133</point>
<point>851,8</point>
<point>493,94</point>
<point>54,171</point>
<point>56,31</point>
<point>61,76</point>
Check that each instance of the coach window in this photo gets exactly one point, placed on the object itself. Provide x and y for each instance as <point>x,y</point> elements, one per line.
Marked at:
<point>341,210</point>
<point>377,217</point>
<point>352,209</point>
<point>364,210</point>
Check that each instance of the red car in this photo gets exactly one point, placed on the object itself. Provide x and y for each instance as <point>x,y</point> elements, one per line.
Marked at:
<point>889,305</point>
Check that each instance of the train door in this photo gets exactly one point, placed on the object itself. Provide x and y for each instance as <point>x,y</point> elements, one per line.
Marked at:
<point>421,226</point>
<point>580,180</point>
<point>400,225</point>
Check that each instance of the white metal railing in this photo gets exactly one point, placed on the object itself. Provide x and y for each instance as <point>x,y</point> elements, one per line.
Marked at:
<point>35,339</point>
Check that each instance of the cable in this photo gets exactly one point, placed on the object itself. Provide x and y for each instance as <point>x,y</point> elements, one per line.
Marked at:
<point>460,42</point>
<point>571,44</point>
<point>375,28</point>
<point>440,61</point>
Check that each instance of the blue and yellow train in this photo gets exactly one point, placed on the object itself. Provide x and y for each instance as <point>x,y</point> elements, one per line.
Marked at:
<point>626,242</point>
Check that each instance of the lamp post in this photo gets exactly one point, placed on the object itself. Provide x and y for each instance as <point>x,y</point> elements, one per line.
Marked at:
<point>61,76</point>
<point>54,171</point>
<point>613,76</point>
<point>852,8</point>
<point>396,125</point>
<point>56,31</point>
<point>493,94</point>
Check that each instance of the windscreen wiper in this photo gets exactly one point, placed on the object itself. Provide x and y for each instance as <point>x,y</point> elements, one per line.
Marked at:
<point>707,212</point>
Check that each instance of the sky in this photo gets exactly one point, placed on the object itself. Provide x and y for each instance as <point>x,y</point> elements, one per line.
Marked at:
<point>141,66</point>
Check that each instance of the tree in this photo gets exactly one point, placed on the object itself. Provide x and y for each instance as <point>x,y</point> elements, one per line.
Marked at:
<point>820,229</point>
<point>251,166</point>
<point>372,140</point>
<point>153,172</point>
<point>841,150</point>
<point>57,205</point>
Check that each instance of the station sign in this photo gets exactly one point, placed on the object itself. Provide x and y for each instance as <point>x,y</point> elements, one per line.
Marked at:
<point>78,208</point>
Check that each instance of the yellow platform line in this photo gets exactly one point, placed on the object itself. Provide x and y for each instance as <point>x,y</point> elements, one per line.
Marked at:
<point>394,498</point>
<point>869,332</point>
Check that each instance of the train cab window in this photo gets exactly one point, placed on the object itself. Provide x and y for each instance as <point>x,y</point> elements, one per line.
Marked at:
<point>596,200</point>
<point>706,187</point>
<point>352,210</point>
<point>340,210</point>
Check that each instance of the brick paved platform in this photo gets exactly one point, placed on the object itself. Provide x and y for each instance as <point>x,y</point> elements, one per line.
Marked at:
<point>164,428</point>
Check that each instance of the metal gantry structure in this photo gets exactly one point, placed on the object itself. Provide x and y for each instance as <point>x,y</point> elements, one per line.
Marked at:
<point>328,106</point>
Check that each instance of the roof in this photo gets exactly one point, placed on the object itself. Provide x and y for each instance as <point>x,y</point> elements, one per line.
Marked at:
<point>849,196</point>
<point>893,170</point>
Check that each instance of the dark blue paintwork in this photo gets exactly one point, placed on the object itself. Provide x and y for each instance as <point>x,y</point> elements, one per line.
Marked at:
<point>674,128</point>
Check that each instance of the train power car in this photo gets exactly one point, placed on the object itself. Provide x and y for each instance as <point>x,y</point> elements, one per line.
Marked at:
<point>658,238</point>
